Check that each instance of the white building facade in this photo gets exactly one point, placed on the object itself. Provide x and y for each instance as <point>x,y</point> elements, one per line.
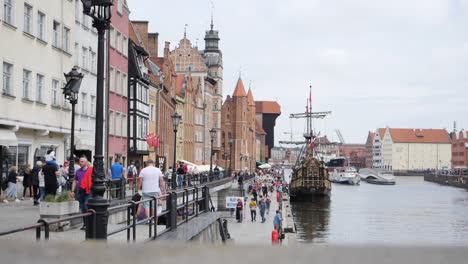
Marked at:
<point>35,51</point>
<point>415,149</point>
<point>85,59</point>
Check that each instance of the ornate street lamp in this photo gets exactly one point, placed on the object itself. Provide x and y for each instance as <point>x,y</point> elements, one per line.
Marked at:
<point>231,141</point>
<point>71,91</point>
<point>100,11</point>
<point>175,123</point>
<point>212,137</point>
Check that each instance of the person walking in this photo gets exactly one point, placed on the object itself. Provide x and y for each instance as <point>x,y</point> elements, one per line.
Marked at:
<point>253,209</point>
<point>51,172</point>
<point>254,194</point>
<point>277,220</point>
<point>239,210</point>
<point>27,178</point>
<point>12,179</point>
<point>132,172</point>
<point>180,176</point>
<point>151,182</point>
<point>77,186</point>
<point>262,207</point>
<point>268,204</point>
<point>35,181</point>
<point>118,175</point>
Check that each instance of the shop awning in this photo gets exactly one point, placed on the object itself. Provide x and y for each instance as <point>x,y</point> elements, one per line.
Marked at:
<point>8,137</point>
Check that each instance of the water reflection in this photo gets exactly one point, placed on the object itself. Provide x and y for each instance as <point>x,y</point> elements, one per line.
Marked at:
<point>312,220</point>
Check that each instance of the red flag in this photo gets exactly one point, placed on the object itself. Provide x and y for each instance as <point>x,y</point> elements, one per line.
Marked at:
<point>149,139</point>
<point>156,141</point>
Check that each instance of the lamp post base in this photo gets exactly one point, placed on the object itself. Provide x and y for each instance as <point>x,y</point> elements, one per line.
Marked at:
<point>97,227</point>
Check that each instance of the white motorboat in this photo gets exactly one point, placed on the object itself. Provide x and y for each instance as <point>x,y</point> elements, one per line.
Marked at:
<point>345,175</point>
<point>377,176</point>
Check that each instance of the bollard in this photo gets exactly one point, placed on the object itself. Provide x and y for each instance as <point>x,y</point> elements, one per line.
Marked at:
<point>274,237</point>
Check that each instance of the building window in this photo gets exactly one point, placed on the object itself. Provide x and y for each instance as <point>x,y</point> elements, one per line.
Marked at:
<point>112,37</point>
<point>119,6</point>
<point>93,62</point>
<point>111,79</point>
<point>124,84</point>
<point>77,54</point>
<point>56,38</point>
<point>118,82</point>
<point>40,25</point>
<point>93,105</point>
<point>55,93</point>
<point>119,42</point>
<point>40,88</point>
<point>177,66</point>
<point>111,123</point>
<point>8,11</point>
<point>7,87</point>
<point>77,10</point>
<point>84,58</point>
<point>125,46</point>
<point>27,84</point>
<point>118,125</point>
<point>124,125</point>
<point>27,19</point>
<point>152,112</point>
<point>66,39</point>
<point>83,104</point>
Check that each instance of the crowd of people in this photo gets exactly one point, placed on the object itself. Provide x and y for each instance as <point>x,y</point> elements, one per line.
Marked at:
<point>265,185</point>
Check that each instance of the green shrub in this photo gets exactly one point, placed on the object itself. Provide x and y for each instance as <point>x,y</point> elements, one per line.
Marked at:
<point>63,197</point>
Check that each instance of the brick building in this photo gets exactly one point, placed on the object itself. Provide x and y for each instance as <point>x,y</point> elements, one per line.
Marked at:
<point>355,154</point>
<point>460,149</point>
<point>239,124</point>
<point>369,149</point>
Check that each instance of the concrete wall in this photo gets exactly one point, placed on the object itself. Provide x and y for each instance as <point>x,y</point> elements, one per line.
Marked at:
<point>407,156</point>
<point>461,182</point>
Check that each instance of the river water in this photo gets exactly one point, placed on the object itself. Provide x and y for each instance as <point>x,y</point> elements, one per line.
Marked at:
<point>412,212</point>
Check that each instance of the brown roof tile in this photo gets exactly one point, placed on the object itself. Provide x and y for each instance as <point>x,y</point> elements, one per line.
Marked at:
<point>409,135</point>
<point>239,91</point>
<point>250,98</point>
<point>180,84</point>
<point>267,107</point>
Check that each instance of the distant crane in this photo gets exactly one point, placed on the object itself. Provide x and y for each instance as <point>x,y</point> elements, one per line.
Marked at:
<point>340,136</point>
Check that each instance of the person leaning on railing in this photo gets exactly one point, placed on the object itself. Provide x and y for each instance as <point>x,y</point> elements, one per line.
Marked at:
<point>151,182</point>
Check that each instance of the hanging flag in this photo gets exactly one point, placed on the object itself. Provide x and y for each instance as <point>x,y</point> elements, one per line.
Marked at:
<point>156,143</point>
<point>149,139</point>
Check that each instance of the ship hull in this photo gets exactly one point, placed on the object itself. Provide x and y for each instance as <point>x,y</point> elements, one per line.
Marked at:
<point>308,194</point>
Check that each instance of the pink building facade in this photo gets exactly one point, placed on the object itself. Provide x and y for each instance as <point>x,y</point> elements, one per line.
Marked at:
<point>117,120</point>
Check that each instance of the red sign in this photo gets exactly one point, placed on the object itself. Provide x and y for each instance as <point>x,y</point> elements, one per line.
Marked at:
<point>152,140</point>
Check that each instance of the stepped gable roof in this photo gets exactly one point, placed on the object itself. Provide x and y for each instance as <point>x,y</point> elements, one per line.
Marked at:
<point>410,135</point>
<point>240,90</point>
<point>180,84</point>
<point>267,107</point>
<point>259,128</point>
<point>250,98</point>
<point>372,135</point>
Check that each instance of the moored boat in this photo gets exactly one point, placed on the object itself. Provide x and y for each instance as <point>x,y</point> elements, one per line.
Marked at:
<point>345,175</point>
<point>377,176</point>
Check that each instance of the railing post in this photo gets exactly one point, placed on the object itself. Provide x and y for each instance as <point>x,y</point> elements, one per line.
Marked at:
<point>206,198</point>
<point>173,210</point>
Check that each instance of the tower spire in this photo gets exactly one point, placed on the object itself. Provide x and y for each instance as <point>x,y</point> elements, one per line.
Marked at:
<point>212,9</point>
<point>185,31</point>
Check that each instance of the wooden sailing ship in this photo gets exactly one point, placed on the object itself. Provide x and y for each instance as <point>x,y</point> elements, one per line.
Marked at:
<point>310,179</point>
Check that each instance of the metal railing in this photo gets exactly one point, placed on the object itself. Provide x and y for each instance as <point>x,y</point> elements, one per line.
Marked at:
<point>191,205</point>
<point>45,224</point>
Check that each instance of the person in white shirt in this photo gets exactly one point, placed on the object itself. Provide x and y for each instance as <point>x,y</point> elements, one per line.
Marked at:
<point>151,182</point>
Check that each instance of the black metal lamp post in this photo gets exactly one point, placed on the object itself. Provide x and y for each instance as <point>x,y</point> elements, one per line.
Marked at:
<point>175,123</point>
<point>100,11</point>
<point>71,91</point>
<point>226,156</point>
<point>212,137</point>
<point>231,141</point>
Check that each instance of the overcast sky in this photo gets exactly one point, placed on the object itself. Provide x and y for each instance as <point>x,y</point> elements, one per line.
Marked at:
<point>374,63</point>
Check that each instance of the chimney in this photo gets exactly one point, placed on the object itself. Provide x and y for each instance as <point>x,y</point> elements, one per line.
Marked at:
<point>167,44</point>
<point>153,44</point>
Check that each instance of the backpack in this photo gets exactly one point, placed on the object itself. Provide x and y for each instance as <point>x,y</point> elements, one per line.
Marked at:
<point>130,171</point>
